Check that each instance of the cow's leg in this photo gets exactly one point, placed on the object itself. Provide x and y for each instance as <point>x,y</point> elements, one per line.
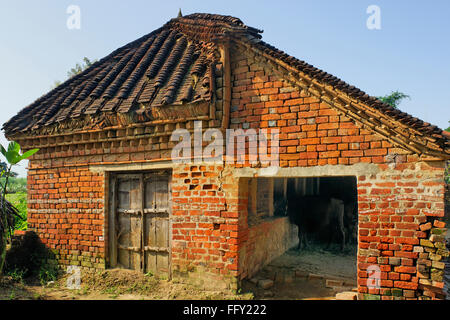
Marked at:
<point>300,234</point>
<point>351,232</point>
<point>329,225</point>
<point>343,239</point>
<point>340,225</point>
<point>302,239</point>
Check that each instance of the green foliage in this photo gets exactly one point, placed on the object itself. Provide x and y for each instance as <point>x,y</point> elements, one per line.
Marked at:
<point>394,98</point>
<point>4,167</point>
<point>9,213</point>
<point>76,70</point>
<point>17,274</point>
<point>80,67</point>
<point>15,185</point>
<point>47,273</point>
<point>13,155</point>
<point>19,200</point>
<point>149,274</point>
<point>37,296</point>
<point>448,129</point>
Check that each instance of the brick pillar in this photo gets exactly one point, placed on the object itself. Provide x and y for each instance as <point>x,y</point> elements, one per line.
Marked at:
<point>205,235</point>
<point>400,239</point>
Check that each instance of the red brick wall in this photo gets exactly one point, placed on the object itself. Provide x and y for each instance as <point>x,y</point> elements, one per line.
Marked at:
<point>266,241</point>
<point>311,133</point>
<point>395,200</point>
<point>205,224</point>
<point>397,209</point>
<point>65,207</point>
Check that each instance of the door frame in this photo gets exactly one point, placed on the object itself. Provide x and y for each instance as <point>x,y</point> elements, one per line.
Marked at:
<point>112,202</point>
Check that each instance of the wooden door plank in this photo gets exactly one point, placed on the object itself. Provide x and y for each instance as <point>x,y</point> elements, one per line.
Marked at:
<point>161,193</point>
<point>112,217</point>
<point>156,224</point>
<point>142,221</point>
<point>151,262</point>
<point>124,223</point>
<point>162,264</point>
<point>162,232</point>
<point>123,240</point>
<point>169,200</point>
<point>136,231</point>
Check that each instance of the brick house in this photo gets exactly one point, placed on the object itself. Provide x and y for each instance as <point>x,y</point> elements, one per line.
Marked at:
<point>103,191</point>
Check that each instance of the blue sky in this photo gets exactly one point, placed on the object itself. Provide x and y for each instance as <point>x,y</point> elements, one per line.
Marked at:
<point>410,53</point>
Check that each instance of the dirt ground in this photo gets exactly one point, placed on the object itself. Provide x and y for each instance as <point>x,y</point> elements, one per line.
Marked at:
<point>304,275</point>
<point>295,275</point>
<point>109,285</point>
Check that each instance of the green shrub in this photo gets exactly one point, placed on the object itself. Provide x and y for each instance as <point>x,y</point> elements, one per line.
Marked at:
<point>17,274</point>
<point>15,185</point>
<point>47,273</point>
<point>8,212</point>
<point>19,200</point>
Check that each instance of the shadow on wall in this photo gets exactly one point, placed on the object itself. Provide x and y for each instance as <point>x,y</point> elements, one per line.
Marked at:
<point>30,258</point>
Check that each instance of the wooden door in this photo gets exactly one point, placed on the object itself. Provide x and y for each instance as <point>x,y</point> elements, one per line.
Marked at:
<point>156,224</point>
<point>140,222</point>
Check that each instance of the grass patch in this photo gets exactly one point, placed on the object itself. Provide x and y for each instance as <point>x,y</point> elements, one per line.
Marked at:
<point>17,275</point>
<point>47,273</point>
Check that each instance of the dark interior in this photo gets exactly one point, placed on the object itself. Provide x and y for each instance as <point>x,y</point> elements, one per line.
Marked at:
<point>289,190</point>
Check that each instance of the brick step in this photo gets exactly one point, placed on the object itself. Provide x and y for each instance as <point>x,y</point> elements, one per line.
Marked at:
<point>347,295</point>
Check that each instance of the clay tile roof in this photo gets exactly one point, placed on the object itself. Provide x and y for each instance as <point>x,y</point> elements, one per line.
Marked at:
<point>172,65</point>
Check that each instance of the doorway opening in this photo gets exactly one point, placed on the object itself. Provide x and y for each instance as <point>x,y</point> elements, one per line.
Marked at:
<point>325,264</point>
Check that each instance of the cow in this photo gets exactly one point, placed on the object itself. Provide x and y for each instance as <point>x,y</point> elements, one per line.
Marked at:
<point>351,220</point>
<point>280,207</point>
<point>313,214</point>
<point>343,188</point>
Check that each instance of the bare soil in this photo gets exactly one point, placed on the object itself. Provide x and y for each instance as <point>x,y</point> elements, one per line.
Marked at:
<point>111,284</point>
<point>304,274</point>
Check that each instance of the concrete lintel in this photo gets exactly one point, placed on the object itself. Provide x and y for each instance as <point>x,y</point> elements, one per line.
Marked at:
<point>317,171</point>
<point>131,166</point>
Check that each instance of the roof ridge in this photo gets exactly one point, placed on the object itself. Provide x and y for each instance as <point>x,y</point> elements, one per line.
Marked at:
<point>207,26</point>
